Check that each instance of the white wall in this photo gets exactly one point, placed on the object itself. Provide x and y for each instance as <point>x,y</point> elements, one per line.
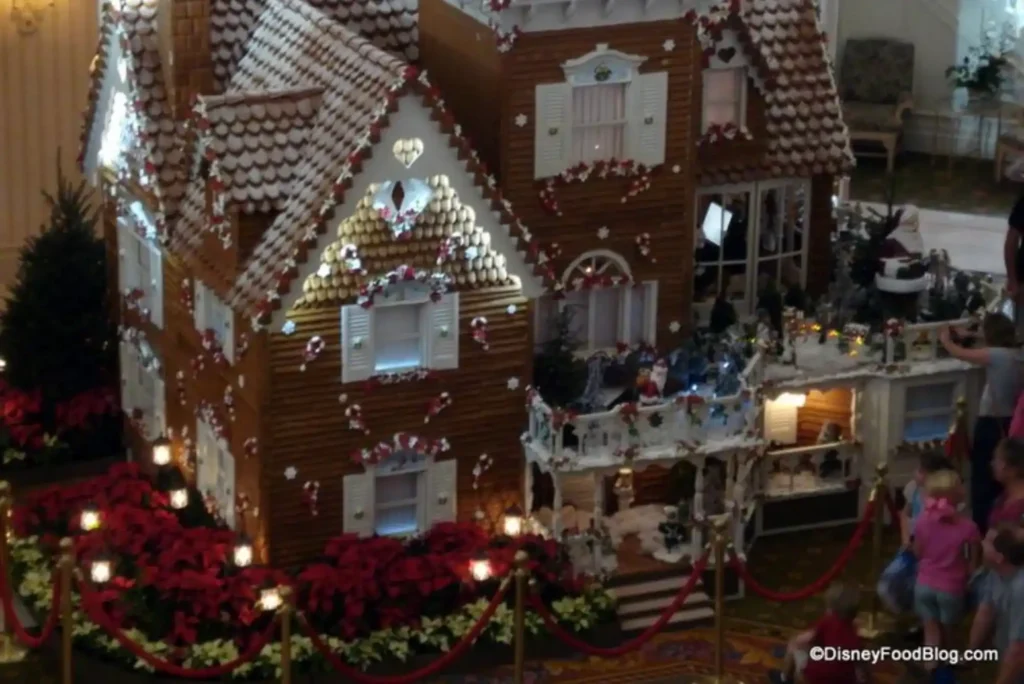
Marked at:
<point>942,31</point>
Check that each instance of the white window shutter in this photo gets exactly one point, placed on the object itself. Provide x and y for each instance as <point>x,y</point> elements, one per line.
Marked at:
<point>199,305</point>
<point>226,488</point>
<point>651,312</point>
<point>780,422</point>
<point>357,504</point>
<point>159,407</point>
<point>444,346</point>
<point>647,122</point>
<point>228,329</point>
<point>551,129</point>
<point>442,485</point>
<point>126,377</point>
<point>124,258</point>
<point>356,343</point>
<point>156,287</point>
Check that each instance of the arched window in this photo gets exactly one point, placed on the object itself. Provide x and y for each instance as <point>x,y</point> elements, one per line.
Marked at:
<point>603,304</point>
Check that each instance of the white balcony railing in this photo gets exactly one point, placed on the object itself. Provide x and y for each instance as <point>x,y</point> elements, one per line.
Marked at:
<point>920,340</point>
<point>808,470</point>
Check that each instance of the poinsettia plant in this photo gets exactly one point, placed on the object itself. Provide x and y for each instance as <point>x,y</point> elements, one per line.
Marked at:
<point>173,582</point>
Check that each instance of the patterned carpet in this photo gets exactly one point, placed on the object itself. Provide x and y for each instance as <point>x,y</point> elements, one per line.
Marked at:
<point>929,183</point>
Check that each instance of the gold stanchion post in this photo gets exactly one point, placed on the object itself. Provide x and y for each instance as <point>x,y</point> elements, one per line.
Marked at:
<point>871,624</point>
<point>67,627</point>
<point>719,544</point>
<point>286,635</point>
<point>519,624</point>
<point>10,652</point>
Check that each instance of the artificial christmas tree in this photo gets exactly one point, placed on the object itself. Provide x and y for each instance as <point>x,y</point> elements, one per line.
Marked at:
<point>57,334</point>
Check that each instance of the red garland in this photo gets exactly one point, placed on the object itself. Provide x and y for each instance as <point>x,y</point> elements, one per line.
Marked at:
<point>314,348</point>
<point>437,282</point>
<point>243,346</point>
<point>205,412</point>
<point>356,422</point>
<point>395,378</point>
<point>640,175</point>
<point>436,405</point>
<point>598,281</point>
<point>400,441</point>
<point>478,326</point>
<point>628,413</point>
<point>212,346</point>
<point>723,132</point>
<point>893,327</point>
<point>311,496</point>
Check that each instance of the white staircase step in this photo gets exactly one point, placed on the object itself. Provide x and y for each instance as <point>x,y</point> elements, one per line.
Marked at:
<point>625,591</point>
<point>627,608</point>
<point>683,616</point>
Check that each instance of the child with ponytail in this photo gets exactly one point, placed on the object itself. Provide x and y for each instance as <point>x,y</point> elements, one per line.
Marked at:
<point>948,546</point>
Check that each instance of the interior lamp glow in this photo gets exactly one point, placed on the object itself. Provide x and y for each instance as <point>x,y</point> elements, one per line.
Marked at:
<point>242,554</point>
<point>179,498</point>
<point>90,519</point>
<point>513,522</point>
<point>161,451</point>
<point>270,599</point>
<point>100,571</point>
<point>3,365</point>
<point>480,568</point>
<point>789,399</point>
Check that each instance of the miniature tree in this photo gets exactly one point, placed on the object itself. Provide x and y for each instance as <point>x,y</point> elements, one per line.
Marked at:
<point>558,374</point>
<point>57,333</point>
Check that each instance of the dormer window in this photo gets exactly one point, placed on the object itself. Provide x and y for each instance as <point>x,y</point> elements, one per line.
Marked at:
<point>725,98</point>
<point>604,109</point>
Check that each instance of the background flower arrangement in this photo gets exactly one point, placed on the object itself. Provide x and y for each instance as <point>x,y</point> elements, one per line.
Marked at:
<point>982,68</point>
<point>175,591</point>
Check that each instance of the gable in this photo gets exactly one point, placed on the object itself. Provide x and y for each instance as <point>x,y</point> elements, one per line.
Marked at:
<point>459,206</point>
<point>106,138</point>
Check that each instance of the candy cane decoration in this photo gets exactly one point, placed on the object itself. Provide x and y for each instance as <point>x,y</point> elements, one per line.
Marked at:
<point>314,348</point>
<point>356,422</point>
<point>242,505</point>
<point>310,496</point>
<point>436,405</point>
<point>483,464</point>
<point>479,328</point>
<point>250,447</point>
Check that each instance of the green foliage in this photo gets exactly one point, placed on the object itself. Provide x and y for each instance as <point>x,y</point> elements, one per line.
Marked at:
<point>558,374</point>
<point>57,334</point>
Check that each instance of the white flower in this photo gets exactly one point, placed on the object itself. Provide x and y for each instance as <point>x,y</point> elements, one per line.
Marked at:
<point>669,45</point>
<point>513,383</point>
<point>674,326</point>
<point>602,233</point>
<point>520,120</point>
<point>288,328</point>
<point>290,473</point>
<point>511,309</point>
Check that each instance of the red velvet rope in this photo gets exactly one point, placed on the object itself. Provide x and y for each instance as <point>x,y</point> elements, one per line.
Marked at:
<point>11,617</point>
<point>822,582</point>
<point>97,615</point>
<point>433,668</point>
<point>572,641</point>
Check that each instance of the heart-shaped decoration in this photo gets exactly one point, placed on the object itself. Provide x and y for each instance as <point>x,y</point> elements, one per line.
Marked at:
<point>407,151</point>
<point>726,54</point>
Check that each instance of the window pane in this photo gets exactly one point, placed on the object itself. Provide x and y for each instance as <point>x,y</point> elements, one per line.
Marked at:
<point>392,488</point>
<point>924,397</point>
<point>720,115</point>
<point>770,239</point>
<point>926,429</point>
<point>607,304</point>
<point>578,305</point>
<point>637,314</point>
<point>398,520</point>
<point>547,314</point>
<point>705,283</point>
<point>397,339</point>
<point>722,86</point>
<point>599,115</point>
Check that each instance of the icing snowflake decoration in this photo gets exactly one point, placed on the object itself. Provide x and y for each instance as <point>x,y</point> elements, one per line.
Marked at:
<point>520,120</point>
<point>288,328</point>
<point>290,473</point>
<point>602,233</point>
<point>513,383</point>
<point>669,45</point>
<point>674,327</point>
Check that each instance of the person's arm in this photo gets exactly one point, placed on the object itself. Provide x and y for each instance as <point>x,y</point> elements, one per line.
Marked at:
<point>905,521</point>
<point>1011,664</point>
<point>1010,247</point>
<point>980,357</point>
<point>981,628</point>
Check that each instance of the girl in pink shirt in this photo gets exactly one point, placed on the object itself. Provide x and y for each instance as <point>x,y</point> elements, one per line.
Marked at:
<point>947,545</point>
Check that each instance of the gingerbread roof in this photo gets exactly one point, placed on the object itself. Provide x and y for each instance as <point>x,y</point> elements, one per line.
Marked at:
<point>97,70</point>
<point>388,24</point>
<point>807,135</point>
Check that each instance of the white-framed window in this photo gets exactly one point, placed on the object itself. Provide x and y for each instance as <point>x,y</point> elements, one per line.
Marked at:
<point>140,262</point>
<point>928,411</point>
<point>600,318</point>
<point>211,313</point>
<point>604,109</point>
<point>403,495</point>
<point>142,388</point>
<point>748,237</point>
<point>215,470</point>
<point>115,136</point>
<point>725,97</point>
<point>403,331</point>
